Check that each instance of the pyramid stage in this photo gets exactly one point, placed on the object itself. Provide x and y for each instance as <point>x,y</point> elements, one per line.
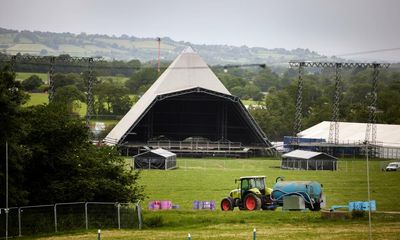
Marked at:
<point>190,112</point>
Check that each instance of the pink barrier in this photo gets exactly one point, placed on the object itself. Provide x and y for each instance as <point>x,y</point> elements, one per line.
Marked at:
<point>160,205</point>
<point>166,205</point>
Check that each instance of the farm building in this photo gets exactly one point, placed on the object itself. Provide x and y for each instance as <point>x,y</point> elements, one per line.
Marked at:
<point>307,160</point>
<point>189,111</point>
<point>155,159</point>
<point>351,140</point>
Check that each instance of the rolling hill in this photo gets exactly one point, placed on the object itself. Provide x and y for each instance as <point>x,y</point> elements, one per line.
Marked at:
<point>129,47</point>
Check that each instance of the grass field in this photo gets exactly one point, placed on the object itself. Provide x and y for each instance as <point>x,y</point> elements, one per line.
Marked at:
<point>42,98</point>
<point>24,75</point>
<point>252,102</point>
<point>212,179</point>
<point>118,79</point>
<point>37,99</point>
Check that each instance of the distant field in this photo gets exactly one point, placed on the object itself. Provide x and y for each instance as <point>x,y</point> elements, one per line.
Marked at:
<point>41,98</point>
<point>252,102</point>
<point>114,78</point>
<point>44,76</point>
<point>37,99</point>
<point>24,75</point>
<point>31,48</point>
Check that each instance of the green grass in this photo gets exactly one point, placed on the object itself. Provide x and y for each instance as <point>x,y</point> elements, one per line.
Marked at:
<point>252,102</point>
<point>24,75</point>
<point>212,179</point>
<point>32,48</point>
<point>42,98</point>
<point>37,99</point>
<point>118,79</point>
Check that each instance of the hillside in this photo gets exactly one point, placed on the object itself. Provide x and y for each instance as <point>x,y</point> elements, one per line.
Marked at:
<point>145,49</point>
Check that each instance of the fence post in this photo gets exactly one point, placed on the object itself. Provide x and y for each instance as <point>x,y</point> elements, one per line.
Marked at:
<point>139,213</point>
<point>55,217</point>
<point>86,216</point>
<point>119,215</point>
<point>19,222</point>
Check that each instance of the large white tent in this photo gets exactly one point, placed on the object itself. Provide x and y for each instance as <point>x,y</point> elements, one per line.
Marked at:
<point>388,135</point>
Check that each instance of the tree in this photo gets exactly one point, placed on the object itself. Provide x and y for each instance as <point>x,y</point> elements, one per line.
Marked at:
<point>61,80</point>
<point>112,98</point>
<point>68,96</point>
<point>266,79</point>
<point>141,80</point>
<point>276,120</point>
<point>12,129</point>
<point>51,157</point>
<point>32,83</point>
<point>231,82</point>
<point>65,166</point>
<point>247,92</point>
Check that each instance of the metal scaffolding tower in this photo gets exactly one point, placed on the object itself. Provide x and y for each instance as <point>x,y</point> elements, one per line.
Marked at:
<point>51,78</point>
<point>299,100</point>
<point>373,97</point>
<point>52,62</point>
<point>89,97</point>
<point>334,127</point>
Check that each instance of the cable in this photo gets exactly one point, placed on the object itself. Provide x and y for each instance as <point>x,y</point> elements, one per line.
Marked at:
<point>369,51</point>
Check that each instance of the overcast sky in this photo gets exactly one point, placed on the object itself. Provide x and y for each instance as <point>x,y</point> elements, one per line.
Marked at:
<point>333,27</point>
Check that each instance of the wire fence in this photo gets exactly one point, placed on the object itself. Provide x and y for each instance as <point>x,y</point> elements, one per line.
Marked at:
<point>347,165</point>
<point>61,217</point>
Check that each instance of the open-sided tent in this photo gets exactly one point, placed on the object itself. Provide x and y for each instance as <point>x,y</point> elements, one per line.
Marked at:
<point>155,159</point>
<point>188,101</point>
<point>307,160</point>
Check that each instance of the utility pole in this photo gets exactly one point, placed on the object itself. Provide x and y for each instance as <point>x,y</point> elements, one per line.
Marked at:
<point>6,210</point>
<point>369,191</point>
<point>159,49</point>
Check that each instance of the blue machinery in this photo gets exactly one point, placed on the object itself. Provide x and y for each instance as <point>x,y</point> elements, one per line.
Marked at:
<point>309,191</point>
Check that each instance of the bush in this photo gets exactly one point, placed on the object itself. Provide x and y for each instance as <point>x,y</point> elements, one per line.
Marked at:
<point>32,83</point>
<point>154,222</point>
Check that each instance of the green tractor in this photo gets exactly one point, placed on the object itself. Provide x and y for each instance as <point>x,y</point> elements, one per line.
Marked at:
<point>251,194</point>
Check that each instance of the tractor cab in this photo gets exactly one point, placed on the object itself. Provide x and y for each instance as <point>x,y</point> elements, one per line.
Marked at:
<point>255,184</point>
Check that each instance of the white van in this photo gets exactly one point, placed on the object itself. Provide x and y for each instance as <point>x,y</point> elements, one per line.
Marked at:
<point>393,166</point>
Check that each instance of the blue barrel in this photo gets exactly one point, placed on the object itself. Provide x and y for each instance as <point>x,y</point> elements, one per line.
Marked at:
<point>310,191</point>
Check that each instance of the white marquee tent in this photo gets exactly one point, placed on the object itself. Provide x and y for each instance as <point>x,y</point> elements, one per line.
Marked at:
<point>388,135</point>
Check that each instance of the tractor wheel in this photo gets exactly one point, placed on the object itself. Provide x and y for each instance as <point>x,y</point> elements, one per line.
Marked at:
<point>270,207</point>
<point>316,208</point>
<point>227,204</point>
<point>252,202</point>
